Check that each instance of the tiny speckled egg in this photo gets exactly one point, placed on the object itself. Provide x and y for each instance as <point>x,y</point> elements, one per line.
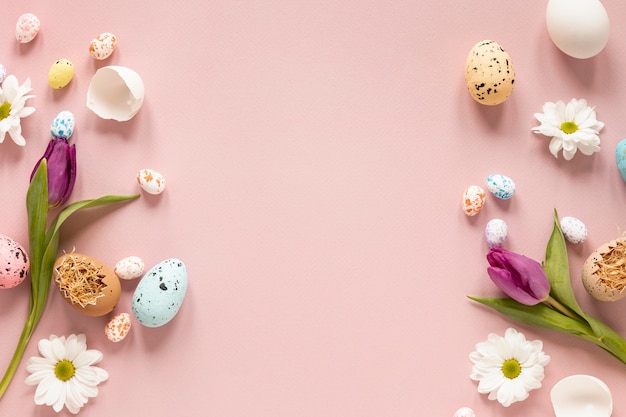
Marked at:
<point>118,327</point>
<point>27,28</point>
<point>473,200</point>
<point>501,186</point>
<point>3,73</point>
<point>63,125</point>
<point>496,232</point>
<point>620,158</point>
<point>61,73</point>
<point>489,73</point>
<point>464,412</point>
<point>130,267</point>
<point>151,181</point>
<point>103,45</point>
<point>606,283</point>
<point>573,229</point>
<point>14,263</point>
<point>160,293</point>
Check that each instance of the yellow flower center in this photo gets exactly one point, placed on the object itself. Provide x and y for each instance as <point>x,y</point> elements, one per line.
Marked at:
<point>569,127</point>
<point>5,110</point>
<point>64,370</point>
<point>511,368</point>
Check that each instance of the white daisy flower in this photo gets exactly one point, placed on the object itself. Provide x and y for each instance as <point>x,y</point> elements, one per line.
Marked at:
<point>508,367</point>
<point>64,374</point>
<point>572,127</point>
<point>13,107</point>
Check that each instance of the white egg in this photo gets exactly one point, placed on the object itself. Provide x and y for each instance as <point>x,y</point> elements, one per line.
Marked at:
<point>496,233</point>
<point>151,181</point>
<point>464,412</point>
<point>130,267</point>
<point>573,229</point>
<point>579,28</point>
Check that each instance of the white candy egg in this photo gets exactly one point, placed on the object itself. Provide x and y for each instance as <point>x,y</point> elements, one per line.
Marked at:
<point>573,229</point>
<point>501,186</point>
<point>464,412</point>
<point>151,181</point>
<point>473,200</point>
<point>579,28</point>
<point>130,267</point>
<point>496,232</point>
<point>27,28</point>
<point>63,125</point>
<point>118,327</point>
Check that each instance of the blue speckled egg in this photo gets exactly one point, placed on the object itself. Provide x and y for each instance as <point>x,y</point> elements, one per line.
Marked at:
<point>501,186</point>
<point>63,125</point>
<point>160,293</point>
<point>620,158</point>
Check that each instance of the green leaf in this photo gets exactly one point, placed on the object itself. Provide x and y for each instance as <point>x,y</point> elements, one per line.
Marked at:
<point>37,210</point>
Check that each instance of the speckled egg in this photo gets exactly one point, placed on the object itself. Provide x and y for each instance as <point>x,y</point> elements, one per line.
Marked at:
<point>129,268</point>
<point>151,181</point>
<point>103,45</point>
<point>118,327</point>
<point>14,263</point>
<point>489,73</point>
<point>61,73</point>
<point>496,232</point>
<point>160,293</point>
<point>464,412</point>
<point>63,125</point>
<point>501,186</point>
<point>473,200</point>
<point>573,229</point>
<point>620,158</point>
<point>3,73</point>
<point>27,27</point>
<point>604,274</point>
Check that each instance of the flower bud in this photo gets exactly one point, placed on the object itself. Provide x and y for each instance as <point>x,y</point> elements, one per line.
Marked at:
<point>61,161</point>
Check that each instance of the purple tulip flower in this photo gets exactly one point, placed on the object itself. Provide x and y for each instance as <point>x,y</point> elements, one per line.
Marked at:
<point>521,278</point>
<point>61,160</point>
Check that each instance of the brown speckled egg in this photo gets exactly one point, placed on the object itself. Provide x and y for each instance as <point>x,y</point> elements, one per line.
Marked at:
<point>489,73</point>
<point>604,272</point>
<point>87,284</point>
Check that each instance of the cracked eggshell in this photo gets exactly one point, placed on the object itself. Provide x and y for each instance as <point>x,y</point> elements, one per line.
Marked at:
<point>594,286</point>
<point>489,73</point>
<point>116,93</point>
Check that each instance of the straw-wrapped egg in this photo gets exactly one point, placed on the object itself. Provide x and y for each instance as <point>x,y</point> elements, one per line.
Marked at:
<point>604,271</point>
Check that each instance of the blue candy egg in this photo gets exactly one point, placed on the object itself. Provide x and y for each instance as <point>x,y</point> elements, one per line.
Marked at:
<point>620,158</point>
<point>63,125</point>
<point>160,293</point>
<point>501,186</point>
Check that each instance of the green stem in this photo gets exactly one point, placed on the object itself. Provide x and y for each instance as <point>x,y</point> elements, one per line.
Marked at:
<point>561,308</point>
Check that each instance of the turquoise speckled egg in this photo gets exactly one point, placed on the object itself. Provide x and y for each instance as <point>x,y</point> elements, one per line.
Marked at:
<point>501,186</point>
<point>160,293</point>
<point>63,125</point>
<point>620,158</point>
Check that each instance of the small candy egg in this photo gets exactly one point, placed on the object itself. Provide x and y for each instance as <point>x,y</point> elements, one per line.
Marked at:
<point>129,268</point>
<point>496,233</point>
<point>151,181</point>
<point>14,263</point>
<point>473,200</point>
<point>61,73</point>
<point>464,412</point>
<point>3,73</point>
<point>620,158</point>
<point>118,327</point>
<point>63,125</point>
<point>489,73</point>
<point>27,27</point>
<point>573,229</point>
<point>501,186</point>
<point>103,45</point>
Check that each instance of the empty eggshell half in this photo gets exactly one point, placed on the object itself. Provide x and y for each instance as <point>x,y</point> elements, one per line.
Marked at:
<point>115,92</point>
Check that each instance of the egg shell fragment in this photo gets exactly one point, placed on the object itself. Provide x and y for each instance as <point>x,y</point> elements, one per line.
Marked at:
<point>63,125</point>
<point>151,181</point>
<point>115,92</point>
<point>160,293</point>
<point>118,327</point>
<point>620,158</point>
<point>61,73</point>
<point>501,186</point>
<point>14,263</point>
<point>464,412</point>
<point>103,45</point>
<point>573,229</point>
<point>473,200</point>
<point>27,27</point>
<point>129,268</point>
<point>593,282</point>
<point>489,73</point>
<point>496,232</point>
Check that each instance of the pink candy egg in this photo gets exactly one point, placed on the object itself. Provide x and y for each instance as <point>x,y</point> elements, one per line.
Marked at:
<point>103,45</point>
<point>27,27</point>
<point>14,263</point>
<point>118,327</point>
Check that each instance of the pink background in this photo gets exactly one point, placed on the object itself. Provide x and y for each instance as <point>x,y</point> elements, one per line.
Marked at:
<point>316,153</point>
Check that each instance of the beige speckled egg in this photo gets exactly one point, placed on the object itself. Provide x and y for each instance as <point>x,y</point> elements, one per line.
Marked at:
<point>604,271</point>
<point>489,73</point>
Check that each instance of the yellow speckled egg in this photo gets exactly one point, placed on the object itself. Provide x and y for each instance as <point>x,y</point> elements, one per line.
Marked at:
<point>489,73</point>
<point>61,73</point>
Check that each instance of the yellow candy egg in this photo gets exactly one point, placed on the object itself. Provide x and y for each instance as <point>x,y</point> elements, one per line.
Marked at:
<point>489,73</point>
<point>61,73</point>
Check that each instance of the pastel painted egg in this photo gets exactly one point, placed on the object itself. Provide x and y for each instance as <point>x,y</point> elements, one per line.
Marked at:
<point>603,272</point>
<point>118,327</point>
<point>620,158</point>
<point>501,186</point>
<point>573,229</point>
<point>61,73</point>
<point>151,181</point>
<point>160,293</point>
<point>489,73</point>
<point>473,200</point>
<point>496,232</point>
<point>464,412</point>
<point>130,267</point>
<point>27,28</point>
<point>103,45</point>
<point>3,73</point>
<point>14,263</point>
<point>63,125</point>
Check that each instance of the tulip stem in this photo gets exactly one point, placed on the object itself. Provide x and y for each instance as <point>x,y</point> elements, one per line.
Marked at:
<point>560,307</point>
